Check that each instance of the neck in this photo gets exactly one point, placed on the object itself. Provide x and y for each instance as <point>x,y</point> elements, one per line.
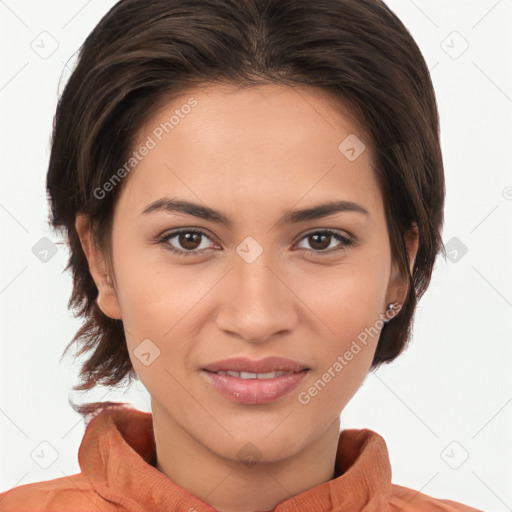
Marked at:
<point>229,485</point>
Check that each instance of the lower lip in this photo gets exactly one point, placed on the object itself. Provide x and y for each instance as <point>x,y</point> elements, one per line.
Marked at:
<point>254,391</point>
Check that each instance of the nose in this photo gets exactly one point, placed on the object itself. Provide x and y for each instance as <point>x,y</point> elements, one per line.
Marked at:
<point>257,301</point>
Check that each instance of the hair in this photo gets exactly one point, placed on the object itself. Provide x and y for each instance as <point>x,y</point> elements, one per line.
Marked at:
<point>142,54</point>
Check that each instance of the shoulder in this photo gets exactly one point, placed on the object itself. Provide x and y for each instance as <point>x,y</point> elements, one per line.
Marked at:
<point>409,500</point>
<point>73,492</point>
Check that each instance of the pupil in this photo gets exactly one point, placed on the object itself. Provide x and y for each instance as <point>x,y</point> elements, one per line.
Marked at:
<point>322,246</point>
<point>187,240</point>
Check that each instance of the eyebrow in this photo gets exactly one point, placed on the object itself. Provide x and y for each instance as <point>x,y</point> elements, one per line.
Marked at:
<point>169,205</point>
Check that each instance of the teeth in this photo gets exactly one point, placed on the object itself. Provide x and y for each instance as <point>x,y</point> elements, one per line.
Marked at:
<point>249,375</point>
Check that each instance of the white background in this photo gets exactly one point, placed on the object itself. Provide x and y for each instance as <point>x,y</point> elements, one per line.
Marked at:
<point>449,396</point>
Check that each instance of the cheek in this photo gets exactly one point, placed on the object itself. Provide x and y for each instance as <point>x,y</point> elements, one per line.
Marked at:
<point>348,306</point>
<point>346,298</point>
<point>343,357</point>
<point>161,302</point>
<point>150,291</point>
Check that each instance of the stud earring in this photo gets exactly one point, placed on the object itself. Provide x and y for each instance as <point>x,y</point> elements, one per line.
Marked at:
<point>392,310</point>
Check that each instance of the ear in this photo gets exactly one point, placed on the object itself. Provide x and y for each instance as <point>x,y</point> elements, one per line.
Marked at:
<point>107,297</point>
<point>398,285</point>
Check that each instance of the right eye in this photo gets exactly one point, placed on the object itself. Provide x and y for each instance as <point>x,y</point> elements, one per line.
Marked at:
<point>189,240</point>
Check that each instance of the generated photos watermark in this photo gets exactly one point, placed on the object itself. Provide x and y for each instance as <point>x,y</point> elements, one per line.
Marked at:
<point>151,142</point>
<point>304,397</point>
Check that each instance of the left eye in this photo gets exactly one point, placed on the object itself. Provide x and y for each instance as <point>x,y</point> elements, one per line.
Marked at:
<point>319,240</point>
<point>191,242</point>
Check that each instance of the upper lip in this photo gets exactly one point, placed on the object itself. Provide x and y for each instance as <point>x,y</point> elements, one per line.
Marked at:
<point>267,364</point>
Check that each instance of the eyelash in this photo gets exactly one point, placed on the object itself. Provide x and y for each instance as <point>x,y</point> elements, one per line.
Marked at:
<point>346,242</point>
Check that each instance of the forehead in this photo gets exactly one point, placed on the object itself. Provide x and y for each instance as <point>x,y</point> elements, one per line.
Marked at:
<point>280,143</point>
<point>221,109</point>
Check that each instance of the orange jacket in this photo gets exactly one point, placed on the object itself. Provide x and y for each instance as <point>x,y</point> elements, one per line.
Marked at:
<point>117,457</point>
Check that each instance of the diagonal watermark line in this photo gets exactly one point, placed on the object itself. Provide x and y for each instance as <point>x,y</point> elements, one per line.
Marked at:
<point>16,484</point>
<point>418,492</point>
<point>289,494</point>
<point>13,217</point>
<point>508,508</point>
<point>279,423</point>
<point>492,418</point>
<point>406,405</point>
<point>83,492</point>
<point>493,287</point>
<point>214,489</point>
<point>73,427</point>
<point>13,279</point>
<point>14,76</point>
<point>323,117</point>
<point>484,218</point>
<point>22,478</point>
<point>492,81</point>
<point>81,419</point>
<point>14,423</point>
<point>85,84</point>
<point>424,13</point>
<point>75,15</point>
<point>486,14</point>
<point>199,403</point>
<point>19,19</point>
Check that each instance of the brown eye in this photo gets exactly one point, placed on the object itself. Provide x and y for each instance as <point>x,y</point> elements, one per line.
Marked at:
<point>320,241</point>
<point>187,243</point>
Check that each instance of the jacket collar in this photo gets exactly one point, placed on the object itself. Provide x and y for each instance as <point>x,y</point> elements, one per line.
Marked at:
<point>118,455</point>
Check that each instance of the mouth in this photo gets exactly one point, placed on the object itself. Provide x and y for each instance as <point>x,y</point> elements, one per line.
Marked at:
<point>255,382</point>
<point>247,368</point>
<point>250,375</point>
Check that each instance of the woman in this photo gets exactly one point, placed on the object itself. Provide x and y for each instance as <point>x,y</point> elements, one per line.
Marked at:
<point>253,197</point>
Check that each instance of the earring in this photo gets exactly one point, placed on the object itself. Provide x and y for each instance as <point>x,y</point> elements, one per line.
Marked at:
<point>394,308</point>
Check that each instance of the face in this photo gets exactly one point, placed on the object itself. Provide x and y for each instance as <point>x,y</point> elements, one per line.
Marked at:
<point>251,279</point>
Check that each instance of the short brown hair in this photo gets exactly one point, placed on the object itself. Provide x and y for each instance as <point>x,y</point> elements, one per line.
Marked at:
<point>143,53</point>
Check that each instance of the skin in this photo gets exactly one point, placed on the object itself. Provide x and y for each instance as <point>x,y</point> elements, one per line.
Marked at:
<point>254,154</point>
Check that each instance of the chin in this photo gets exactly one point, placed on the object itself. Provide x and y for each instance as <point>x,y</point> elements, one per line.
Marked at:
<point>257,445</point>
